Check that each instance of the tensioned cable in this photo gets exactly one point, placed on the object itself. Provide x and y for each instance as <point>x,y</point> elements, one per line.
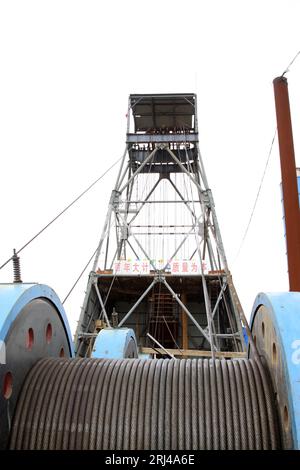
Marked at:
<point>290,64</point>
<point>257,196</point>
<point>95,307</point>
<point>62,212</point>
<point>210,323</point>
<point>175,342</point>
<point>80,276</point>
<point>265,169</point>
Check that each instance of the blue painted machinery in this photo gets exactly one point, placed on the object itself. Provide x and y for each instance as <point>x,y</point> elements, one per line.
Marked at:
<point>115,343</point>
<point>160,359</point>
<point>33,325</point>
<point>42,380</point>
<point>275,327</point>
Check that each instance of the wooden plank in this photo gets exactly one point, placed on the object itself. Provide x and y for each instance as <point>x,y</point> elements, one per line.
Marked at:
<point>195,353</point>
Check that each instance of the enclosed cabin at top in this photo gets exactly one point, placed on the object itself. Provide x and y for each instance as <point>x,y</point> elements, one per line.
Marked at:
<point>161,267</point>
<point>163,114</point>
<point>162,119</point>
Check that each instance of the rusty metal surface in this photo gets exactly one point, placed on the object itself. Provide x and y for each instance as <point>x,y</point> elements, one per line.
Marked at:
<point>289,181</point>
<point>137,404</point>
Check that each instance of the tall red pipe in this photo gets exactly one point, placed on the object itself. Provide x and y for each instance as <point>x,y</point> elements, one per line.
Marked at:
<point>289,180</point>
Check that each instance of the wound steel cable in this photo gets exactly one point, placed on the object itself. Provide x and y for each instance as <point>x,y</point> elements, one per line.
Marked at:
<point>133,404</point>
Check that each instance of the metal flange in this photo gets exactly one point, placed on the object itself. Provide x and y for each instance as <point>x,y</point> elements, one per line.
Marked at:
<point>275,325</point>
<point>33,325</point>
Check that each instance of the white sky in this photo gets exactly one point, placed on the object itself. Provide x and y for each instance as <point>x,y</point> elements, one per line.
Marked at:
<point>67,68</point>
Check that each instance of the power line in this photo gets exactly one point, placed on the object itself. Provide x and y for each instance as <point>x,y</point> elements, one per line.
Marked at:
<point>62,212</point>
<point>290,64</point>
<point>80,276</point>
<point>264,173</point>
<point>256,199</point>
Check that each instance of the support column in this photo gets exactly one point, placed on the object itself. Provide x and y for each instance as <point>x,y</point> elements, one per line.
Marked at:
<point>289,181</point>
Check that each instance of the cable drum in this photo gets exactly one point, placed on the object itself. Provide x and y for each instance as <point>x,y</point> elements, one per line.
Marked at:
<point>132,404</point>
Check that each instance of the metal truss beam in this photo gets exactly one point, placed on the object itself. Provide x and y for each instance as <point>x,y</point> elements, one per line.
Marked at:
<point>161,138</point>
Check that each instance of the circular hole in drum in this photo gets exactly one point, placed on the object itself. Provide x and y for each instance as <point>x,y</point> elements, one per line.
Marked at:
<point>263,329</point>
<point>29,339</point>
<point>286,419</point>
<point>7,385</point>
<point>274,353</point>
<point>49,333</point>
<point>62,352</point>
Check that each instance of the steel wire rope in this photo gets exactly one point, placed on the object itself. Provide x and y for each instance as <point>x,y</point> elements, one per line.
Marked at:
<point>94,310</point>
<point>186,193</point>
<point>163,255</point>
<point>88,407</point>
<point>175,214</point>
<point>62,212</point>
<point>256,198</point>
<point>155,244</point>
<point>290,64</point>
<point>148,174</point>
<point>150,249</point>
<point>218,267</point>
<point>191,189</point>
<point>157,310</point>
<point>210,320</point>
<point>221,286</point>
<point>134,404</point>
<point>224,298</point>
<point>175,342</point>
<point>164,220</point>
<point>142,190</point>
<point>265,169</point>
<point>189,167</point>
<point>80,276</point>
<point>78,279</point>
<point>107,295</point>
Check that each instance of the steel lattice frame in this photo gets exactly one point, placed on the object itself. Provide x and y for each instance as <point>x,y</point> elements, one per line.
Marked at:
<point>167,156</point>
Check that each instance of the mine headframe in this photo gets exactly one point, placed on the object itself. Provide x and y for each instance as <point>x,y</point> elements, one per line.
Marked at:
<point>160,267</point>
